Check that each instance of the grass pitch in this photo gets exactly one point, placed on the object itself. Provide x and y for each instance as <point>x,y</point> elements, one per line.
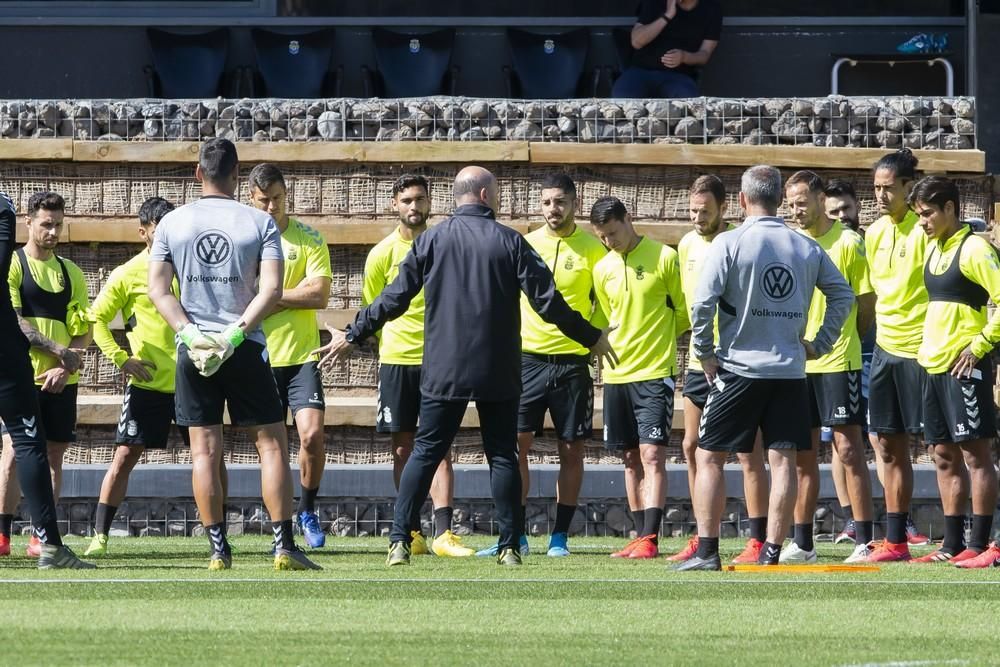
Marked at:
<point>152,601</point>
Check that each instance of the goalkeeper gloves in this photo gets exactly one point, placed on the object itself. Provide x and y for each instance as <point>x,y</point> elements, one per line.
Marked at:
<point>228,341</point>
<point>203,350</point>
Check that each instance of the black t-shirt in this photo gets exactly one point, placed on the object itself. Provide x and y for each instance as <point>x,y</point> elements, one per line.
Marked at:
<point>686,31</point>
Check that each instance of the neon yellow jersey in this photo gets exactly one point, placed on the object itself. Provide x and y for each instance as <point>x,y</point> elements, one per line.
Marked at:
<point>691,252</point>
<point>896,255</point>
<point>847,250</point>
<point>951,327</point>
<point>401,340</point>
<point>641,293</point>
<point>49,276</point>
<point>149,336</point>
<point>571,260</point>
<point>292,333</point>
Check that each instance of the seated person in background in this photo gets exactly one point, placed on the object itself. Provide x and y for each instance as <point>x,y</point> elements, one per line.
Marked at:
<point>672,40</point>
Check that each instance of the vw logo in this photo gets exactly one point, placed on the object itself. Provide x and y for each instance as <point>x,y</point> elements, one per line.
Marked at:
<point>213,248</point>
<point>777,282</point>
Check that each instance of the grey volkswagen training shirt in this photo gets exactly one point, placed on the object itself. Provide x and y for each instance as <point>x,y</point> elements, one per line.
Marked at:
<point>761,277</point>
<point>216,245</point>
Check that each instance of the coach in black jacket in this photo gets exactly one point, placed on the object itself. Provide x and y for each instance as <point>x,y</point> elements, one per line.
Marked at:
<point>472,270</point>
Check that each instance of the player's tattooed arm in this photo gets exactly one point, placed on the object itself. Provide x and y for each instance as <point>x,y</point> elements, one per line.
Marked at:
<point>310,294</point>
<point>69,359</point>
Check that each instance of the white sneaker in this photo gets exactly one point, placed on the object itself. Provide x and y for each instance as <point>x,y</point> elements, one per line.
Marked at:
<point>860,555</point>
<point>794,554</point>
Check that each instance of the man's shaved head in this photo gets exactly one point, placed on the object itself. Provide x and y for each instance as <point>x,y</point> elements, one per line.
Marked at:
<point>475,185</point>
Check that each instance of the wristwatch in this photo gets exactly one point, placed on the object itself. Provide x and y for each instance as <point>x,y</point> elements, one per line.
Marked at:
<point>666,18</point>
<point>349,335</point>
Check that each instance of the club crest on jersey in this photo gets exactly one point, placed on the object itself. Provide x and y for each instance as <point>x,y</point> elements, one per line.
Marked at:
<point>569,264</point>
<point>293,254</point>
<point>640,272</point>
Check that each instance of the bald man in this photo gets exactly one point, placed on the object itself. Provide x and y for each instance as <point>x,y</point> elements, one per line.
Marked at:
<point>472,270</point>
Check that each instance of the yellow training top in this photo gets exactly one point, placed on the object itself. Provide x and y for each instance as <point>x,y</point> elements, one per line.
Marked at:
<point>293,333</point>
<point>950,327</point>
<point>571,260</point>
<point>401,341</point>
<point>846,248</point>
<point>896,268</point>
<point>641,293</point>
<point>691,252</point>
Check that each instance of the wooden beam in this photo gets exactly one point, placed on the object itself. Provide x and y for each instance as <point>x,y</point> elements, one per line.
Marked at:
<point>336,230</point>
<point>137,151</point>
<point>973,161</point>
<point>36,149</point>
<point>104,410</point>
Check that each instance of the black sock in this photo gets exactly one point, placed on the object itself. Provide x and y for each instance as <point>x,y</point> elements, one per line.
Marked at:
<point>707,547</point>
<point>442,520</point>
<point>804,536</point>
<point>6,524</point>
<point>982,526</point>
<point>283,536</point>
<point>651,526</point>
<point>639,518</point>
<point>217,535</point>
<point>105,515</point>
<point>895,527</point>
<point>307,503</point>
<point>564,516</point>
<point>954,533</point>
<point>864,532</point>
<point>758,528</point>
<point>769,554</point>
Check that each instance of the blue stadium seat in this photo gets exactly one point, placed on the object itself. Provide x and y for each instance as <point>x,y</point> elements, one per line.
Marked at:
<point>549,65</point>
<point>294,63</point>
<point>411,64</point>
<point>186,64</point>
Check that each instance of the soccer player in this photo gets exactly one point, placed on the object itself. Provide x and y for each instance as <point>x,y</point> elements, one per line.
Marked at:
<point>49,293</point>
<point>962,276</point>
<point>148,404</point>
<point>707,200</point>
<point>472,271</point>
<point>555,370</point>
<point>759,280</point>
<point>833,380</point>
<point>401,351</point>
<point>22,423</point>
<point>638,285</point>
<point>227,259</point>
<point>292,334</point>
<point>895,245</point>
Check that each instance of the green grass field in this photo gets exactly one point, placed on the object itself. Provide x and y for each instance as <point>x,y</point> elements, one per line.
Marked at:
<point>153,602</point>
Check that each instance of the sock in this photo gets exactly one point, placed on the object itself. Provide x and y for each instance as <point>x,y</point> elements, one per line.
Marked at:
<point>442,520</point>
<point>758,528</point>
<point>651,525</point>
<point>217,534</point>
<point>982,526</point>
<point>283,537</point>
<point>307,503</point>
<point>769,554</point>
<point>105,515</point>
<point>564,516</point>
<point>804,536</point>
<point>707,547</point>
<point>895,527</point>
<point>954,533</point>
<point>638,518</point>
<point>864,532</point>
<point>6,524</point>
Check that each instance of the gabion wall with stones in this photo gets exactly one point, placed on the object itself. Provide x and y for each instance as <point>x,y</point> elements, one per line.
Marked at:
<point>887,122</point>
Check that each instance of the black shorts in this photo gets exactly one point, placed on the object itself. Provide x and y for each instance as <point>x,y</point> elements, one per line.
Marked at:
<point>895,394</point>
<point>245,382</point>
<point>638,413</point>
<point>959,410</point>
<point>398,398</point>
<point>19,397</point>
<point>696,387</point>
<point>146,418</point>
<point>562,385</point>
<point>300,387</point>
<point>58,414</point>
<point>835,399</point>
<point>738,406</point>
